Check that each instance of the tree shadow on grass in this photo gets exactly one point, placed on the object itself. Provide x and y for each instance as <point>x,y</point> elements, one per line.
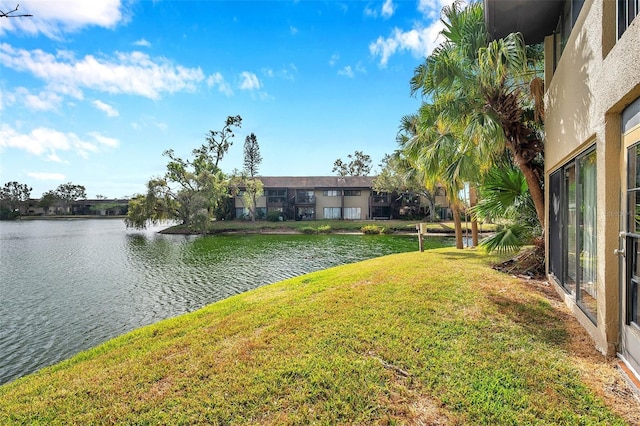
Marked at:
<point>537,317</point>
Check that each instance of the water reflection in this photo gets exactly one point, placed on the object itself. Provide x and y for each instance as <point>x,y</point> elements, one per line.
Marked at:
<point>69,285</point>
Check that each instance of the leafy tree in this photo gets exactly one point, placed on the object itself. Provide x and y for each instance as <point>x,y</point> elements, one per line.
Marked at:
<point>67,193</point>
<point>191,190</point>
<point>253,188</point>
<point>209,155</point>
<point>13,197</point>
<point>398,176</point>
<point>358,164</point>
<point>48,199</point>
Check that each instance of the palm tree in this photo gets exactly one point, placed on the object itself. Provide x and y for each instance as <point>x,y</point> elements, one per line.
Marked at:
<point>438,156</point>
<point>505,196</point>
<point>479,90</point>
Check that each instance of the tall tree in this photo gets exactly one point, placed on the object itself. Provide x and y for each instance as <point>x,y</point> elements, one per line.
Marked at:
<point>47,200</point>
<point>190,190</point>
<point>438,155</point>
<point>14,196</point>
<point>398,175</point>
<point>253,187</point>
<point>358,164</point>
<point>252,157</point>
<point>68,193</point>
<point>217,145</point>
<point>489,87</point>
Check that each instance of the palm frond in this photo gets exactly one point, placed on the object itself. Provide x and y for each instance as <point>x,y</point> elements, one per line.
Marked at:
<point>510,239</point>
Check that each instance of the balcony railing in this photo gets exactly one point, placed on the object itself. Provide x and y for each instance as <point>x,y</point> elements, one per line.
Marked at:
<point>306,199</point>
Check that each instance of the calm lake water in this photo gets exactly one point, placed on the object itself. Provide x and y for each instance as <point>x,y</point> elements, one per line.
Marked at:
<point>68,285</point>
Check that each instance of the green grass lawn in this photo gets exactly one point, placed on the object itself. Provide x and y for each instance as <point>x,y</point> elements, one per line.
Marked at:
<point>334,225</point>
<point>415,338</point>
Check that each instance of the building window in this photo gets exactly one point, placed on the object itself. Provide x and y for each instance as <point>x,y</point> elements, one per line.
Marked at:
<point>305,197</point>
<point>567,21</point>
<point>572,230</point>
<point>276,196</point>
<point>331,213</point>
<point>380,197</point>
<point>261,213</point>
<point>627,11</point>
<point>276,200</point>
<point>381,212</point>
<point>633,227</point>
<point>305,213</point>
<point>352,213</point>
<point>332,193</point>
<point>351,192</point>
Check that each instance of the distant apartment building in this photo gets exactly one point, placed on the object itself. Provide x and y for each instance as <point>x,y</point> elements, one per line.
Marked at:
<point>99,207</point>
<point>592,157</point>
<point>331,197</point>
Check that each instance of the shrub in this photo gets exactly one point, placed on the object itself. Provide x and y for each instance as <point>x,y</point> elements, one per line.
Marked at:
<point>274,216</point>
<point>372,229</point>
<point>324,229</point>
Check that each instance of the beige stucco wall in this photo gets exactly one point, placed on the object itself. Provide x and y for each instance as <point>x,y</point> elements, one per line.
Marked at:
<point>592,84</point>
<point>362,201</point>
<point>260,202</point>
<point>323,201</point>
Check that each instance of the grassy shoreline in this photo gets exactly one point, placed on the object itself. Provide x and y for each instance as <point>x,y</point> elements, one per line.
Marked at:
<point>335,226</point>
<point>391,340</point>
<point>266,227</point>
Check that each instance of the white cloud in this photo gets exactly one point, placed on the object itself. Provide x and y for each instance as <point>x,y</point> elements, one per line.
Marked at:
<point>149,121</point>
<point>54,18</point>
<point>47,143</point>
<point>334,59</point>
<point>142,43</point>
<point>293,30</point>
<point>218,80</point>
<point>249,81</point>
<point>430,9</point>
<point>350,72</point>
<point>43,101</point>
<point>346,71</point>
<point>132,73</point>
<point>419,40</point>
<point>388,8</point>
<point>104,140</point>
<point>106,108</point>
<point>370,12</point>
<point>287,72</point>
<point>46,176</point>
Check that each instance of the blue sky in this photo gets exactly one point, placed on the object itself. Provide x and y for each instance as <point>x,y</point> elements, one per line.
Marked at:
<point>92,92</point>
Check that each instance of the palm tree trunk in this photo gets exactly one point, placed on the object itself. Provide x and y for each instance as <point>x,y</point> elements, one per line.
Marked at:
<point>535,188</point>
<point>457,224</point>
<point>473,200</point>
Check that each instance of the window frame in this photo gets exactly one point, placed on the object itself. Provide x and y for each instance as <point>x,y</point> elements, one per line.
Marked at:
<point>571,275</point>
<point>348,216</point>
<point>333,215</point>
<point>627,11</point>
